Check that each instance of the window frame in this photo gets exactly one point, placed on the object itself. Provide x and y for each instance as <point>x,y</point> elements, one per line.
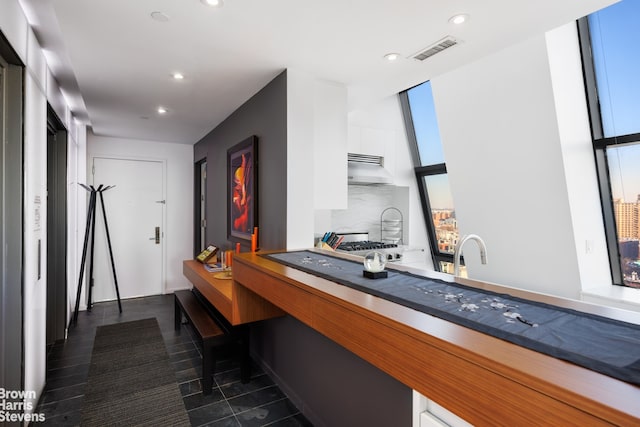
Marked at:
<point>420,173</point>
<point>600,145</point>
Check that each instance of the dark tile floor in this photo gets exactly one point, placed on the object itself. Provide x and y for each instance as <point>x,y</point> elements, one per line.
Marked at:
<point>258,403</point>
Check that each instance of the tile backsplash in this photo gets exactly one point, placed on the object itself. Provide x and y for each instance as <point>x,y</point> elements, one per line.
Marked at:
<point>365,206</point>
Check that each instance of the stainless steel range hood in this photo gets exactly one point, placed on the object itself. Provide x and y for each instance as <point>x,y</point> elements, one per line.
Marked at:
<point>364,169</point>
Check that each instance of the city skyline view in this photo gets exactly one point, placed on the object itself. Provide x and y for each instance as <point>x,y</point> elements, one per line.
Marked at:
<point>624,172</point>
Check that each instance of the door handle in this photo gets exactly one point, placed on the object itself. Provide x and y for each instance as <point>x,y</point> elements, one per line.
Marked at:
<point>157,236</point>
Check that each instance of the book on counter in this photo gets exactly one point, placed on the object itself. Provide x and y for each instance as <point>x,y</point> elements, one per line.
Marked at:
<point>213,268</point>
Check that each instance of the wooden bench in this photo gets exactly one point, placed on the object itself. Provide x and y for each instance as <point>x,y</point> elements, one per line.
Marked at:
<point>214,332</point>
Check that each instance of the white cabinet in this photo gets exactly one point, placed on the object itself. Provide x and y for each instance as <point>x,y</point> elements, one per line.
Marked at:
<point>427,413</point>
<point>379,131</point>
<point>316,143</point>
<point>330,145</point>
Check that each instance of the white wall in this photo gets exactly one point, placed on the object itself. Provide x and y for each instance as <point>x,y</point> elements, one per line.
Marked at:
<point>39,88</point>
<point>590,244</point>
<point>179,191</point>
<point>504,149</point>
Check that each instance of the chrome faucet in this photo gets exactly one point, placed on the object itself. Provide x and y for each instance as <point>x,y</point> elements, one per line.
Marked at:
<point>458,251</point>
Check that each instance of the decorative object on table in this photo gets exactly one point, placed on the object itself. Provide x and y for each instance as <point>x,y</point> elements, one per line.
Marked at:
<point>242,189</point>
<point>254,239</point>
<point>374,264</point>
<point>206,255</point>
<point>213,268</point>
<point>226,260</point>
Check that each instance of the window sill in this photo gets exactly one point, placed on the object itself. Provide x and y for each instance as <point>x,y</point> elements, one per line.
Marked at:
<point>614,296</point>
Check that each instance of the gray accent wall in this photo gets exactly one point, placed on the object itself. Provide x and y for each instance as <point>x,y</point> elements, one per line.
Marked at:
<point>265,116</point>
<point>329,384</point>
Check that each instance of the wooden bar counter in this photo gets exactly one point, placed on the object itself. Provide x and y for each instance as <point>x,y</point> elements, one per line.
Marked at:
<point>238,304</point>
<point>484,380</point>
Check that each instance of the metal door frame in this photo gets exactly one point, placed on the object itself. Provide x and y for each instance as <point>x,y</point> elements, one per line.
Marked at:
<point>11,213</point>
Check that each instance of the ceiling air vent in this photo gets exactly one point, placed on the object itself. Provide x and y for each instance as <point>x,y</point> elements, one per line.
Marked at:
<point>437,47</point>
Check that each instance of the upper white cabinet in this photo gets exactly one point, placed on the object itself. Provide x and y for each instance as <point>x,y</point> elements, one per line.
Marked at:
<point>316,153</point>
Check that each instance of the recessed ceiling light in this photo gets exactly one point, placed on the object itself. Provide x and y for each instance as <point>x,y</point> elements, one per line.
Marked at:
<point>392,56</point>
<point>213,3</point>
<point>162,110</point>
<point>459,18</point>
<point>159,16</point>
<point>177,76</point>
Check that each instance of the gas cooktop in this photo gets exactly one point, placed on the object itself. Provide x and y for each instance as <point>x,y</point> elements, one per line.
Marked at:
<point>364,245</point>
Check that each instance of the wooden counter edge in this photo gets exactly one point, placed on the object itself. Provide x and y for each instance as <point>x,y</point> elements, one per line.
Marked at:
<point>250,307</point>
<point>618,409</point>
<point>204,282</point>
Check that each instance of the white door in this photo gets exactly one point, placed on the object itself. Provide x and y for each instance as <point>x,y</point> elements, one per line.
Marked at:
<point>134,208</point>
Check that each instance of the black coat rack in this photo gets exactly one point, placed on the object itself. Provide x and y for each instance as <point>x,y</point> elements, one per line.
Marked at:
<point>91,228</point>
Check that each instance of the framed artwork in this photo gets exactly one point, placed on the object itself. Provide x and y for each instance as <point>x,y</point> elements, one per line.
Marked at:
<point>242,189</point>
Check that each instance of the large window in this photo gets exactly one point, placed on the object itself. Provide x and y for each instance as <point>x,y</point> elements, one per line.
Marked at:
<point>431,174</point>
<point>610,40</point>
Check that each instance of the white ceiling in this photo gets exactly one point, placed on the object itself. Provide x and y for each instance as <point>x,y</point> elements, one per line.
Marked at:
<point>114,62</point>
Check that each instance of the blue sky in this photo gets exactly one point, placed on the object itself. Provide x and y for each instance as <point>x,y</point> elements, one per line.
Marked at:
<point>429,144</point>
<point>615,37</point>
<point>426,124</point>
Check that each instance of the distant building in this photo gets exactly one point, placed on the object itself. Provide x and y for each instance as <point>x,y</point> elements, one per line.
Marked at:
<point>627,214</point>
<point>441,215</point>
<point>446,227</point>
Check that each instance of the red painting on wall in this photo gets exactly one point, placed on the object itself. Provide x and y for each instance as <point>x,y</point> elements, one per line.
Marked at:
<point>242,189</point>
